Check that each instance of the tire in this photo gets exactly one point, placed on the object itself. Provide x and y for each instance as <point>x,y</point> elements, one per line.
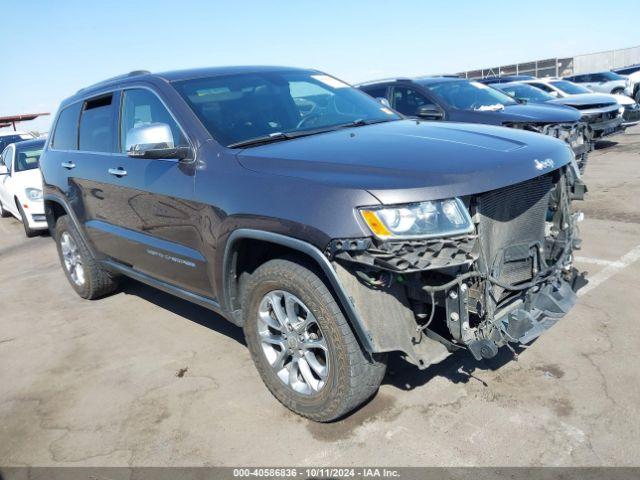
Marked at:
<point>351,377</point>
<point>87,278</point>
<point>28,231</point>
<point>582,162</point>
<point>4,213</point>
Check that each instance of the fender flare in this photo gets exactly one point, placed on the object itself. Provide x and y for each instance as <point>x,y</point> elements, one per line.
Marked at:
<point>71,214</point>
<point>321,261</point>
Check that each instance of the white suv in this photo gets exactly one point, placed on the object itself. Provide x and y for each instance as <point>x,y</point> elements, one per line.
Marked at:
<point>602,82</point>
<point>21,185</point>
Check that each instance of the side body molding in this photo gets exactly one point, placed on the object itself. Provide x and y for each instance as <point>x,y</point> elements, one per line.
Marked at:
<point>353,316</point>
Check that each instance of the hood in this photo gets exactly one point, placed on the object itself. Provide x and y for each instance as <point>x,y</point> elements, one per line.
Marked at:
<point>28,179</point>
<point>623,99</point>
<point>530,112</point>
<point>583,100</point>
<point>407,160</point>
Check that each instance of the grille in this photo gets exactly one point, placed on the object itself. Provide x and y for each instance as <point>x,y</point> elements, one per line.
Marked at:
<point>512,221</point>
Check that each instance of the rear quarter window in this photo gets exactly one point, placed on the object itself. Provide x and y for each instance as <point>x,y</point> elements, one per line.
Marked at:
<point>65,136</point>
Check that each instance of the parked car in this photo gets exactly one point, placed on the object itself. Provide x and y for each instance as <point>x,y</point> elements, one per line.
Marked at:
<point>632,72</point>
<point>331,229</point>
<point>8,137</point>
<point>460,100</point>
<point>505,79</point>
<point>602,82</point>
<point>526,92</point>
<point>21,185</point>
<point>602,112</point>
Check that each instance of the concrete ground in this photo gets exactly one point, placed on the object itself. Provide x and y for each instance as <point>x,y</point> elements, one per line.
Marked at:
<point>99,383</point>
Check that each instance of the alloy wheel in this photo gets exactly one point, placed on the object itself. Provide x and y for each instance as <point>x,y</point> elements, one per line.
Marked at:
<point>72,258</point>
<point>293,343</point>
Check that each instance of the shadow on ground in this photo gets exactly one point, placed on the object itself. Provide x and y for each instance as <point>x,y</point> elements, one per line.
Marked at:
<point>459,367</point>
<point>187,310</point>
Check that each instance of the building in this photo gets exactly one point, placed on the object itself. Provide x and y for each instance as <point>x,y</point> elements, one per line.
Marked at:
<point>559,67</point>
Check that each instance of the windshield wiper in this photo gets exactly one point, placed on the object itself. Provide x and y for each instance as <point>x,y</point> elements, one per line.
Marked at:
<point>264,139</point>
<point>361,122</point>
<point>280,136</point>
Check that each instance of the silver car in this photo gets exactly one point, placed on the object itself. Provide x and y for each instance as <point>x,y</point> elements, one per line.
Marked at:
<point>602,82</point>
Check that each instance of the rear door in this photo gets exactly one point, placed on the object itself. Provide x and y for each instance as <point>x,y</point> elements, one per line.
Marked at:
<point>141,213</point>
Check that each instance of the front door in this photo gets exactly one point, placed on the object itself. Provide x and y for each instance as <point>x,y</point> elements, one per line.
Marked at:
<point>143,215</point>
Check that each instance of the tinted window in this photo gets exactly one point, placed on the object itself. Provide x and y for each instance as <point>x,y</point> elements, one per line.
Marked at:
<point>28,157</point>
<point>96,125</point>
<point>141,107</point>
<point>236,108</point>
<point>376,92</point>
<point>66,135</point>
<point>465,95</point>
<point>408,100</point>
<point>570,88</point>
<point>542,86</point>
<point>610,76</point>
<point>522,91</point>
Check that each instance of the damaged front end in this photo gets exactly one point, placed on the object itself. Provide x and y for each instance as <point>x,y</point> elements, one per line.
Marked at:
<point>577,135</point>
<point>505,281</point>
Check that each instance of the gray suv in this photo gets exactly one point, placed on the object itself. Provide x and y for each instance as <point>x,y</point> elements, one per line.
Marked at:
<point>327,226</point>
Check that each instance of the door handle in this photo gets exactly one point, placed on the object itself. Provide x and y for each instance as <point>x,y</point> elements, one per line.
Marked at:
<point>68,165</point>
<point>118,172</point>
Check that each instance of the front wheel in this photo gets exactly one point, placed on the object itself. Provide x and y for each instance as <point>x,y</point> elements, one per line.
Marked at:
<point>28,231</point>
<point>302,345</point>
<point>4,213</point>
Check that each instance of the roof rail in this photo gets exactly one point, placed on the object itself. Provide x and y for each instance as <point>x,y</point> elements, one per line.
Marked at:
<point>133,73</point>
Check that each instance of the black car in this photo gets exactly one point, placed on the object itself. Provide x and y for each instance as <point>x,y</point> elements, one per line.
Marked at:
<point>328,227</point>
<point>460,100</point>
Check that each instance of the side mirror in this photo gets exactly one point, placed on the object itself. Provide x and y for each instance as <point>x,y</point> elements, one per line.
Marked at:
<point>383,101</point>
<point>154,140</point>
<point>553,93</point>
<point>3,169</point>
<point>430,112</point>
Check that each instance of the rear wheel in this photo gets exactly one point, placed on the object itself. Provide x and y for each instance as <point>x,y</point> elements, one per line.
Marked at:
<point>302,345</point>
<point>85,275</point>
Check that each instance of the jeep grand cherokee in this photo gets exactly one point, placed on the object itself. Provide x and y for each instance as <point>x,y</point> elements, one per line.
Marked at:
<point>326,225</point>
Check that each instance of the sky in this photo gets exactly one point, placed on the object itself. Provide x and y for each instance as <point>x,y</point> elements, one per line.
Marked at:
<point>50,49</point>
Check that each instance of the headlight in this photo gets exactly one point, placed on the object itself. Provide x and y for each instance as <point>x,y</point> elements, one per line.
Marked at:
<point>33,194</point>
<point>439,218</point>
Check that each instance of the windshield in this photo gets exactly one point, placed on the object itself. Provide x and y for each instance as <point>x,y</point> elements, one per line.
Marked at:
<point>612,76</point>
<point>570,88</point>
<point>28,157</point>
<point>525,92</point>
<point>465,95</point>
<point>238,108</point>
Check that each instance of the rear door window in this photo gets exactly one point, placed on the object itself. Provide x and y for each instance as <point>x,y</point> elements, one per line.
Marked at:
<point>65,136</point>
<point>96,125</point>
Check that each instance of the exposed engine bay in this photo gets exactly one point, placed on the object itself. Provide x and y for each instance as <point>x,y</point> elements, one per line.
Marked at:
<point>579,136</point>
<point>506,282</point>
